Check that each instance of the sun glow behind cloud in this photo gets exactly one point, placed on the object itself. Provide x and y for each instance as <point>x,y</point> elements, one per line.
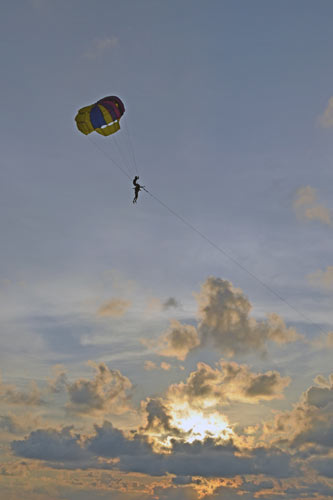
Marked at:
<point>198,426</point>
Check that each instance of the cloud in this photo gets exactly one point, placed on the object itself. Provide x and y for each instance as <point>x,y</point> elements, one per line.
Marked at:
<point>155,305</point>
<point>324,466</point>
<point>171,302</point>
<point>107,392</point>
<point>323,381</point>
<point>150,365</point>
<point>307,207</point>
<point>114,308</point>
<point>326,118</point>
<point>158,422</point>
<point>217,489</point>
<point>111,443</point>
<point>59,382</point>
<point>11,395</point>
<point>324,341</point>
<point>225,321</point>
<point>305,433</point>
<point>320,397</point>
<point>178,340</point>
<point>15,424</point>
<point>205,459</point>
<point>100,46</point>
<point>321,278</point>
<point>309,425</point>
<point>207,387</point>
<point>208,459</point>
<point>51,445</point>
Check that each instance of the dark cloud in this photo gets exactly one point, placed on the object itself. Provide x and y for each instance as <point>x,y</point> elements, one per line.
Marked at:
<point>207,458</point>
<point>159,421</point>
<point>111,442</point>
<point>106,392</point>
<point>323,466</point>
<point>171,302</point>
<point>266,385</point>
<point>319,396</point>
<point>51,445</point>
<point>182,480</point>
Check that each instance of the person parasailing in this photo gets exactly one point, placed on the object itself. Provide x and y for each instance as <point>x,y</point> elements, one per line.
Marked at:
<point>137,188</point>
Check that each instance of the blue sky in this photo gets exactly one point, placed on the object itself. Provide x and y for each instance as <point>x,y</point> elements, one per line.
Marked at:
<point>115,312</point>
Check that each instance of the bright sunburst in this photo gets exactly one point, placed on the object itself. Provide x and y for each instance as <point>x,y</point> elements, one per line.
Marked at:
<point>199,426</point>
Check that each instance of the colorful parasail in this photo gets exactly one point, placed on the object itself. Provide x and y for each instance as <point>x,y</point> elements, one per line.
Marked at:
<point>102,117</point>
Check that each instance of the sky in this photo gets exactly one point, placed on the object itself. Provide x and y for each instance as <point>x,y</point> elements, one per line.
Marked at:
<point>180,347</point>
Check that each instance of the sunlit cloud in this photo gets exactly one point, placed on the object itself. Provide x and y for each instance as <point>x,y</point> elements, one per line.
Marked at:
<point>59,381</point>
<point>193,410</point>
<point>185,442</point>
<point>198,425</point>
<point>307,207</point>
<point>115,308</point>
<point>158,423</point>
<point>11,395</point>
<point>209,387</point>
<point>150,365</point>
<point>19,424</point>
<point>225,321</point>
<point>309,425</point>
<point>323,381</point>
<point>178,340</point>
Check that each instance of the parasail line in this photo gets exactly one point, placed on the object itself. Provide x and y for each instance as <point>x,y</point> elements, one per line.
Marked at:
<point>235,261</point>
<point>131,145</point>
<point>110,158</point>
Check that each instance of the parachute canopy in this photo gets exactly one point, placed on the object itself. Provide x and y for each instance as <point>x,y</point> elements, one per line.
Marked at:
<point>102,117</point>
